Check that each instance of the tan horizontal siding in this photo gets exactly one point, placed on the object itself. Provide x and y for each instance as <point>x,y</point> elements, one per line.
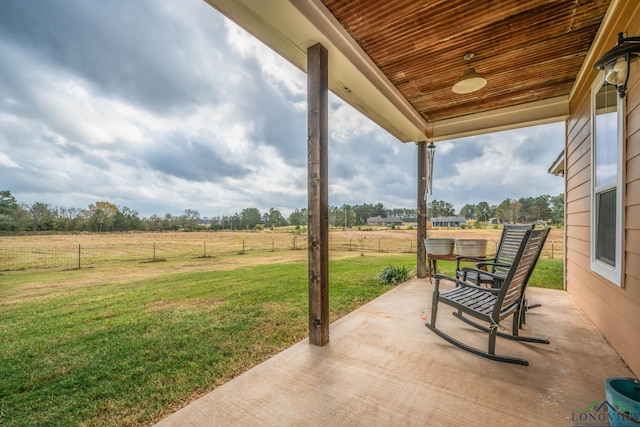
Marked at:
<point>633,274</point>
<point>579,206</point>
<point>579,233</point>
<point>575,156</point>
<point>579,129</point>
<point>633,198</point>
<point>633,241</point>
<point>633,168</point>
<point>580,172</point>
<point>577,192</point>
<point>580,246</point>
<point>633,144</point>
<point>581,145</point>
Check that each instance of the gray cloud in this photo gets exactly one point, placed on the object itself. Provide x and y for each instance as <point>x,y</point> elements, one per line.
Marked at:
<point>131,50</point>
<point>152,105</point>
<point>192,160</point>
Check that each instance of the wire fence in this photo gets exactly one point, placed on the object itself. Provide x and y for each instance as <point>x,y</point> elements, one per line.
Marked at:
<point>42,252</point>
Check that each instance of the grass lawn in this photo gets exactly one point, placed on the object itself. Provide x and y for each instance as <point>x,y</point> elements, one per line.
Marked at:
<point>129,352</point>
<point>129,345</point>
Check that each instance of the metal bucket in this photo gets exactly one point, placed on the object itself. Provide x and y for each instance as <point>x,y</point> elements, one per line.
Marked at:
<point>471,247</point>
<point>441,246</point>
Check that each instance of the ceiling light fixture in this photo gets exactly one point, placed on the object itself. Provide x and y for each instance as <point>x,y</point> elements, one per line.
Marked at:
<point>470,81</point>
<point>617,62</point>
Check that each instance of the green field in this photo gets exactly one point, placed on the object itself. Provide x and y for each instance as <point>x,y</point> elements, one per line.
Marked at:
<point>128,344</point>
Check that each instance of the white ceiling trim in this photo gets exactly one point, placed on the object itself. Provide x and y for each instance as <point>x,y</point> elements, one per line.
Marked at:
<point>530,114</point>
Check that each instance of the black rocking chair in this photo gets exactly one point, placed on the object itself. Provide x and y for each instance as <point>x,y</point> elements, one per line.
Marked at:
<point>493,304</point>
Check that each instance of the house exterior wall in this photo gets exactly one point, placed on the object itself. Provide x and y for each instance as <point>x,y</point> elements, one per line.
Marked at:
<point>614,310</point>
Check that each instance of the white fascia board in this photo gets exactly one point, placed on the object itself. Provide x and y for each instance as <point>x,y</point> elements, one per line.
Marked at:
<point>530,114</point>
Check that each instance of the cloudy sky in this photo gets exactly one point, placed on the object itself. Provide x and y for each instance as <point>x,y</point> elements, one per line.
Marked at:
<point>162,106</point>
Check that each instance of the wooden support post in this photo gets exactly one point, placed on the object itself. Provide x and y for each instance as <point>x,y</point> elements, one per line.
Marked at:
<point>318,189</point>
<point>422,209</point>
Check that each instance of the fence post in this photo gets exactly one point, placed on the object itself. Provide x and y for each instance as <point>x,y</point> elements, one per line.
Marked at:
<point>294,242</point>
<point>552,249</point>
<point>154,251</point>
<point>205,249</point>
<point>79,256</point>
<point>379,244</point>
<point>273,245</point>
<point>243,246</point>
<point>411,246</point>
<point>350,244</point>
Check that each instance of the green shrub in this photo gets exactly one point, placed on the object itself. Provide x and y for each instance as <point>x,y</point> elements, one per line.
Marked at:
<point>393,275</point>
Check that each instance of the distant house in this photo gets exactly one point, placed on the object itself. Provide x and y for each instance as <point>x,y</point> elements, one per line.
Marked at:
<point>448,221</point>
<point>384,222</point>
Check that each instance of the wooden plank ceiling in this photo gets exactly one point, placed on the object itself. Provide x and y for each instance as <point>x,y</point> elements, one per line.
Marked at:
<point>527,50</point>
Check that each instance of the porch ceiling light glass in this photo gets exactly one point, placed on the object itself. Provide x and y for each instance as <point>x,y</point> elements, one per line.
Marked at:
<point>470,81</point>
<point>617,62</point>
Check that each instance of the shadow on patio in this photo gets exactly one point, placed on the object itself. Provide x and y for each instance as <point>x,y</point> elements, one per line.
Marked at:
<point>384,367</point>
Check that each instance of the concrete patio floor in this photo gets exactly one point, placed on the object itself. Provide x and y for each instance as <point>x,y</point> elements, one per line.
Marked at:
<point>383,367</point>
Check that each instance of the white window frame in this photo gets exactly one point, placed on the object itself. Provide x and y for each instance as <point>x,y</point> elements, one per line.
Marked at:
<point>615,273</point>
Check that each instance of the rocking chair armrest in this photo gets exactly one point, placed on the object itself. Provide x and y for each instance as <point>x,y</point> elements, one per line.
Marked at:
<point>496,277</point>
<point>440,276</point>
<point>463,258</point>
<point>459,282</point>
<point>495,264</point>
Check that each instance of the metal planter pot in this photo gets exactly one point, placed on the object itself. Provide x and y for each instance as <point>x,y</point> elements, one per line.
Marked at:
<point>439,246</point>
<point>623,396</point>
<point>471,247</point>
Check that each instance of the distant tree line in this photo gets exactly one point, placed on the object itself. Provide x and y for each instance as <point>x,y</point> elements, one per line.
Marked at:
<point>524,210</point>
<point>103,216</point>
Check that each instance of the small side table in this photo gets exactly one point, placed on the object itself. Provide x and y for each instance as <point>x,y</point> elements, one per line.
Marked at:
<point>432,260</point>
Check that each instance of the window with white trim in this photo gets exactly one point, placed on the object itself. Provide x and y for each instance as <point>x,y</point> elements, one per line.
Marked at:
<point>607,173</point>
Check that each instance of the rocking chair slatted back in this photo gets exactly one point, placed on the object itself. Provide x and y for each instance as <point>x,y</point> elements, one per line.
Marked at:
<point>510,242</point>
<point>518,277</point>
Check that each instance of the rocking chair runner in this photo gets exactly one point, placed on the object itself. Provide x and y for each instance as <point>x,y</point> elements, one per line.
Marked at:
<point>510,242</point>
<point>492,305</point>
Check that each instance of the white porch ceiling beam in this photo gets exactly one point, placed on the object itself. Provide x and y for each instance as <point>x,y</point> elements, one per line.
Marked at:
<point>534,113</point>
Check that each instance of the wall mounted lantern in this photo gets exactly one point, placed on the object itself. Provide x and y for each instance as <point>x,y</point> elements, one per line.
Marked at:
<point>617,62</point>
<point>470,81</point>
